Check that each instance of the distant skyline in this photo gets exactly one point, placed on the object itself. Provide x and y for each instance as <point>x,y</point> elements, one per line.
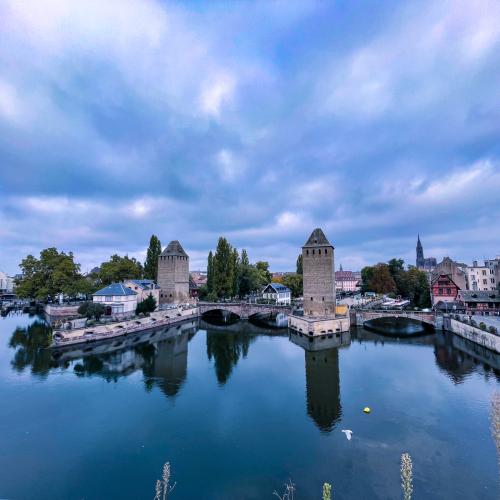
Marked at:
<point>258,121</point>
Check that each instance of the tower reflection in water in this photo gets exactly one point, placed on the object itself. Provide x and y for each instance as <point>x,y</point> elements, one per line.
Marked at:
<point>323,377</point>
<point>161,355</point>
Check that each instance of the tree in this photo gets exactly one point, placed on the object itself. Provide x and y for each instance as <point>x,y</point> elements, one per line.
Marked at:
<point>210,272</point>
<point>263,269</point>
<point>50,275</point>
<point>299,264</point>
<point>223,269</point>
<point>119,269</point>
<point>91,310</point>
<point>147,305</point>
<point>381,280</point>
<point>151,263</point>
<point>235,272</point>
<point>295,283</point>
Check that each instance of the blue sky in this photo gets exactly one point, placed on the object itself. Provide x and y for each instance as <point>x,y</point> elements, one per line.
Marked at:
<point>258,121</point>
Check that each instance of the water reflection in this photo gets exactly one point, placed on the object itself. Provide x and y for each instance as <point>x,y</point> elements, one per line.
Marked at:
<point>226,348</point>
<point>323,377</point>
<point>458,358</point>
<point>31,344</point>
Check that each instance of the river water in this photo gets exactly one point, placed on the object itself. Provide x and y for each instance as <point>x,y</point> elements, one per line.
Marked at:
<point>238,410</point>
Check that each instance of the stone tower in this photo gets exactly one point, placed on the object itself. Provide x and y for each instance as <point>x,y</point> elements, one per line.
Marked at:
<point>173,274</point>
<point>318,275</point>
<point>420,254</point>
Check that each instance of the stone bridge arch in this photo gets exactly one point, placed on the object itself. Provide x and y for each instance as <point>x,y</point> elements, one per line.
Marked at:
<point>243,309</point>
<point>362,316</point>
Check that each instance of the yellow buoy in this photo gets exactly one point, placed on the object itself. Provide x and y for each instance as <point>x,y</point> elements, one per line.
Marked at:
<point>366,409</point>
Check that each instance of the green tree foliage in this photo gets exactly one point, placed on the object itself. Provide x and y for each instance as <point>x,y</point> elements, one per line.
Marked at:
<point>295,283</point>
<point>411,284</point>
<point>381,280</point>
<point>299,265</point>
<point>147,305</point>
<point>210,272</point>
<point>91,310</point>
<point>53,273</point>
<point>223,262</point>
<point>229,275</point>
<point>151,263</point>
<point>119,269</point>
<point>263,268</point>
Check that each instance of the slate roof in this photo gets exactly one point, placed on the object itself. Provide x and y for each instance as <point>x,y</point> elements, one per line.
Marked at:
<point>317,239</point>
<point>116,289</point>
<point>175,249</point>
<point>278,288</point>
<point>144,284</point>
<point>479,296</point>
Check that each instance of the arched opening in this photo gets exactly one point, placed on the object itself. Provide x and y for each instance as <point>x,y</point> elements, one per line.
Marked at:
<point>220,317</point>
<point>399,326</point>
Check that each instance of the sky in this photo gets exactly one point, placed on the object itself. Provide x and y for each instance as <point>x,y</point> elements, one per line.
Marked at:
<point>259,121</point>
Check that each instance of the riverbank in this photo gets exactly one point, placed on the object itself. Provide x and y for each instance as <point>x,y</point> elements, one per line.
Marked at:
<point>117,329</point>
<point>470,331</point>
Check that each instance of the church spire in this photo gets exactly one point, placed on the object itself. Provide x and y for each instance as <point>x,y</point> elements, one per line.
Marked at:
<point>420,253</point>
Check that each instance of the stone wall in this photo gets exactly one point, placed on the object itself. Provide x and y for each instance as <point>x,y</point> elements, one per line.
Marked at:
<point>474,334</point>
<point>173,279</point>
<point>319,281</point>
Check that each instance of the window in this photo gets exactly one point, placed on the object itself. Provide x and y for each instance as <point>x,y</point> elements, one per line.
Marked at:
<point>108,298</point>
<point>311,298</point>
<point>485,282</point>
<point>307,252</point>
<point>440,291</point>
<point>484,272</point>
<point>319,251</point>
<point>313,251</point>
<point>448,291</point>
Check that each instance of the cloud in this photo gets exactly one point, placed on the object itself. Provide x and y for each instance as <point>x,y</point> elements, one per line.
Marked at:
<point>126,118</point>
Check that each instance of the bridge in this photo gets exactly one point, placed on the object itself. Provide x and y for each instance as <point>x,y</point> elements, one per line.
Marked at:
<point>361,316</point>
<point>243,309</point>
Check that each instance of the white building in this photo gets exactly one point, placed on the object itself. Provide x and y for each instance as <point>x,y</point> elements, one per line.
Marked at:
<point>346,281</point>
<point>6,283</point>
<point>481,278</point>
<point>278,292</point>
<point>117,299</point>
<point>144,288</point>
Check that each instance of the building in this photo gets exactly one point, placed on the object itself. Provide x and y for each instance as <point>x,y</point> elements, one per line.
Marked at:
<point>144,288</point>
<point>481,277</point>
<point>199,277</point>
<point>319,316</point>
<point>443,289</point>
<point>480,302</point>
<point>346,281</point>
<point>455,270</point>
<point>421,262</point>
<point>277,292</point>
<point>173,274</point>
<point>495,265</point>
<point>6,283</point>
<point>117,299</point>
<point>318,275</point>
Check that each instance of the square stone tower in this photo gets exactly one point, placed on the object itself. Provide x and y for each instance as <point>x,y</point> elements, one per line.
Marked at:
<point>173,274</point>
<point>318,275</point>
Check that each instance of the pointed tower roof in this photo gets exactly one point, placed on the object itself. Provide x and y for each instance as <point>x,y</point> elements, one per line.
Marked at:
<point>418,241</point>
<point>174,248</point>
<point>317,239</point>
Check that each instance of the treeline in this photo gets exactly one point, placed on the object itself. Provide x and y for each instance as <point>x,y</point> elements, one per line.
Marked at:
<point>392,278</point>
<point>230,274</point>
<point>54,272</point>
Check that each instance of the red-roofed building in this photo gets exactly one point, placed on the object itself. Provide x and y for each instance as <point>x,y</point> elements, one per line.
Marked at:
<point>443,289</point>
